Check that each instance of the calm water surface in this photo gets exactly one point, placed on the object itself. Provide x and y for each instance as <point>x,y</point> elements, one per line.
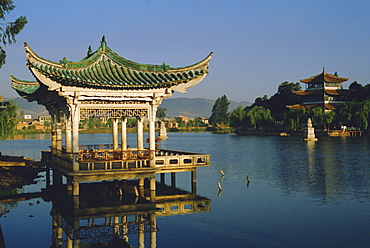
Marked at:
<point>301,194</point>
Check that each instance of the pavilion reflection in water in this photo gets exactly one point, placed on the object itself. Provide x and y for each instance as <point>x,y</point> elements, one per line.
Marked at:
<point>116,213</point>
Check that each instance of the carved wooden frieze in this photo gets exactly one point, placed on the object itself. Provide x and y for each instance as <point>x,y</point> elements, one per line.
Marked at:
<point>112,113</point>
<point>110,102</point>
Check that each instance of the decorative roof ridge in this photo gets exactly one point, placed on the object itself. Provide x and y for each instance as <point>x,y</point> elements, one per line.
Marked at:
<point>331,75</point>
<point>194,66</point>
<point>323,74</point>
<point>17,80</point>
<point>104,50</point>
<point>135,65</point>
<point>23,86</point>
<point>32,56</point>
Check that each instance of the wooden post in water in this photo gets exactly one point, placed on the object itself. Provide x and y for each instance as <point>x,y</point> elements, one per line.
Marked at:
<point>173,179</point>
<point>194,181</point>
<point>163,178</point>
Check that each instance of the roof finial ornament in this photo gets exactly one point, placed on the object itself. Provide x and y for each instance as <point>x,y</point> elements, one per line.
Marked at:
<point>103,42</point>
<point>165,66</point>
<point>323,69</point>
<point>63,61</point>
<point>89,51</point>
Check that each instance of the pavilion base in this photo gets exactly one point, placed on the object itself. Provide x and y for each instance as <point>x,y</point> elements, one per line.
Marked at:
<point>72,173</point>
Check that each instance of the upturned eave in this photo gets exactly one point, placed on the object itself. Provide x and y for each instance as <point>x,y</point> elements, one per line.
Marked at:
<point>107,70</point>
<point>320,78</point>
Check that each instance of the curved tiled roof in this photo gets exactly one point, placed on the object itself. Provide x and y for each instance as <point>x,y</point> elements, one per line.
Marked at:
<point>305,106</point>
<point>324,77</point>
<point>28,87</point>
<point>336,92</point>
<point>105,69</point>
<point>303,92</point>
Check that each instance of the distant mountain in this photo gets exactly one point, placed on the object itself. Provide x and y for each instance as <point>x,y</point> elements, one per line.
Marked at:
<point>30,108</point>
<point>193,107</point>
<point>181,106</point>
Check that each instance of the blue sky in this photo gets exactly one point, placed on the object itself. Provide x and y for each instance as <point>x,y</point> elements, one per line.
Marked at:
<point>257,44</point>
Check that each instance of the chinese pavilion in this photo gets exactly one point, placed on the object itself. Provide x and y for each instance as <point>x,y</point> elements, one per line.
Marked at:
<point>323,90</point>
<point>106,85</point>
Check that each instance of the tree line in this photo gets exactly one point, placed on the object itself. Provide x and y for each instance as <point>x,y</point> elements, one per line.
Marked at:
<point>8,32</point>
<point>272,112</point>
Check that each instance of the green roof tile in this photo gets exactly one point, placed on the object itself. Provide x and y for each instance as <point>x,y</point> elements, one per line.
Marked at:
<point>105,69</point>
<point>28,87</point>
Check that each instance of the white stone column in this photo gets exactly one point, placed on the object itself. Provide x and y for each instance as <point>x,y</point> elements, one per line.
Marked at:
<point>68,140</point>
<point>140,132</point>
<point>59,132</point>
<point>115,133</point>
<point>53,131</point>
<point>75,112</point>
<point>152,118</point>
<point>75,122</point>
<point>124,134</point>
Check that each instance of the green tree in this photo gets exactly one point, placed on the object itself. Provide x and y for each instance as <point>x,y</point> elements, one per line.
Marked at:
<point>316,115</point>
<point>47,124</point>
<point>238,118</point>
<point>161,114</point>
<point>361,116</point>
<point>260,117</point>
<point>295,119</point>
<point>190,123</point>
<point>344,113</point>
<point>181,123</point>
<point>8,120</point>
<point>8,30</point>
<point>220,115</point>
<point>329,118</point>
<point>93,123</point>
<point>292,118</point>
<point>278,102</point>
<point>287,88</point>
<point>198,122</point>
<point>131,122</point>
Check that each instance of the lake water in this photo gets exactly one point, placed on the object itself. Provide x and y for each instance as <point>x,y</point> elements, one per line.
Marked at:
<point>301,194</point>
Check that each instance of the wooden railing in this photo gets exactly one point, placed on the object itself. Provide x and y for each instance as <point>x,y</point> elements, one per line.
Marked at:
<point>109,159</point>
<point>86,156</point>
<point>105,155</point>
<point>173,158</point>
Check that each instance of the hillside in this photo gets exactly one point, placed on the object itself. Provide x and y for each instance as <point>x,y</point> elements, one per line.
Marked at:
<point>30,108</point>
<point>193,107</point>
<point>182,106</point>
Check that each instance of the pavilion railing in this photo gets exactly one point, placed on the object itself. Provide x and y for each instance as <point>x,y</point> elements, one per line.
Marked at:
<point>85,156</point>
<point>96,159</point>
<point>172,158</point>
<point>103,155</point>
